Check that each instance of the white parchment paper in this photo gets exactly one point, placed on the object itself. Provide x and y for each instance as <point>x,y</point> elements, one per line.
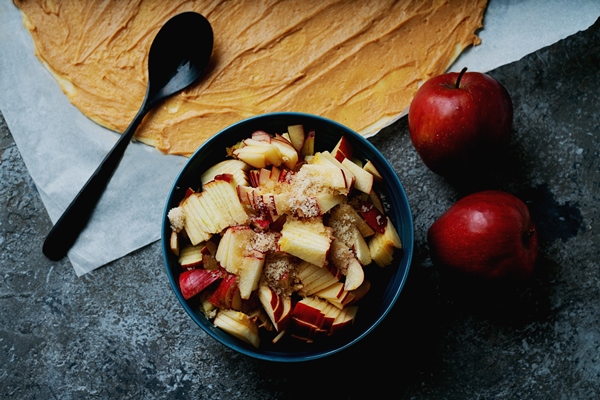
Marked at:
<point>61,147</point>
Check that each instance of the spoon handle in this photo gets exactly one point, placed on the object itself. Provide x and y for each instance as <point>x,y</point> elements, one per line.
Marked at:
<point>66,230</point>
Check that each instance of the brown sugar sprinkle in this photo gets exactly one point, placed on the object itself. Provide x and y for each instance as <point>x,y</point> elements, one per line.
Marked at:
<point>305,207</point>
<point>265,242</point>
<point>307,183</point>
<point>339,251</point>
<point>279,272</point>
<point>176,218</point>
<point>341,221</point>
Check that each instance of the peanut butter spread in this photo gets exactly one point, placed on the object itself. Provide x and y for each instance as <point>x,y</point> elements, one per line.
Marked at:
<point>356,62</point>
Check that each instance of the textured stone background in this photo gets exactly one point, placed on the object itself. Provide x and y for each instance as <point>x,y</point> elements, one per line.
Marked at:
<point>119,332</point>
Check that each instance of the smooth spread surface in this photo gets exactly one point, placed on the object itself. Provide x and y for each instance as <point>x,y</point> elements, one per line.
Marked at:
<point>356,62</point>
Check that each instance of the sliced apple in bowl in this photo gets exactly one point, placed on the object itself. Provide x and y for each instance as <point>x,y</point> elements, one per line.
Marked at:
<point>277,232</point>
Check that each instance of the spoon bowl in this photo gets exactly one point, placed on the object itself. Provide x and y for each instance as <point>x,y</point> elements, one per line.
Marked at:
<point>178,56</point>
<point>173,63</point>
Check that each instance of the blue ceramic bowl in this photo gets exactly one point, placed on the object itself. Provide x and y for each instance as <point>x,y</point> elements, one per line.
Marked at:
<point>387,283</point>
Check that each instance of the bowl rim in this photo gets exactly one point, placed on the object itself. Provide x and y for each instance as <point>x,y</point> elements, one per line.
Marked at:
<point>407,245</point>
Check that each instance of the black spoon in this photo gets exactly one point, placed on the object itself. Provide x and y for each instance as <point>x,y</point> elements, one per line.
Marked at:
<point>179,54</point>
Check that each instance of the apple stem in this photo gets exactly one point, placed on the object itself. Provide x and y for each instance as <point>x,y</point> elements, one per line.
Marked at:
<point>462,72</point>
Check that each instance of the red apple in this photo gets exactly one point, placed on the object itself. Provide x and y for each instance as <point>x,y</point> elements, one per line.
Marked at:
<point>488,234</point>
<point>460,122</point>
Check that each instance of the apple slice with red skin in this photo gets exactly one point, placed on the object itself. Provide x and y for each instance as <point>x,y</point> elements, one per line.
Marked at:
<point>307,312</point>
<point>261,136</point>
<point>372,216</point>
<point>313,318</point>
<point>194,281</point>
<point>302,330</point>
<point>355,275</point>
<point>277,307</point>
<point>343,149</point>
<point>336,295</point>
<point>237,168</point>
<point>488,234</point>
<point>188,193</point>
<point>254,176</point>
<point>307,320</point>
<point>227,294</point>
<point>285,175</point>
<point>271,302</point>
<point>344,320</point>
<point>190,256</point>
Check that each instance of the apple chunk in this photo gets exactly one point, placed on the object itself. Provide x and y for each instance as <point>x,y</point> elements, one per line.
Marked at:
<point>308,240</point>
<point>314,278</point>
<point>343,320</point>
<point>297,136</point>
<point>372,169</point>
<point>289,155</point>
<point>237,168</point>
<point>308,148</point>
<point>325,158</point>
<point>329,176</point>
<point>343,149</point>
<point>234,246</point>
<point>191,256</point>
<point>174,243</point>
<point>278,307</point>
<point>212,210</point>
<point>345,261</point>
<point>249,273</point>
<point>194,281</point>
<point>239,325</point>
<point>227,294</point>
<point>382,245</point>
<point>364,179</point>
<point>372,216</point>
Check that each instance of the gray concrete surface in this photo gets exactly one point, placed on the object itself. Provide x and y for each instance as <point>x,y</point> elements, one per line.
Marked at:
<point>119,332</point>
